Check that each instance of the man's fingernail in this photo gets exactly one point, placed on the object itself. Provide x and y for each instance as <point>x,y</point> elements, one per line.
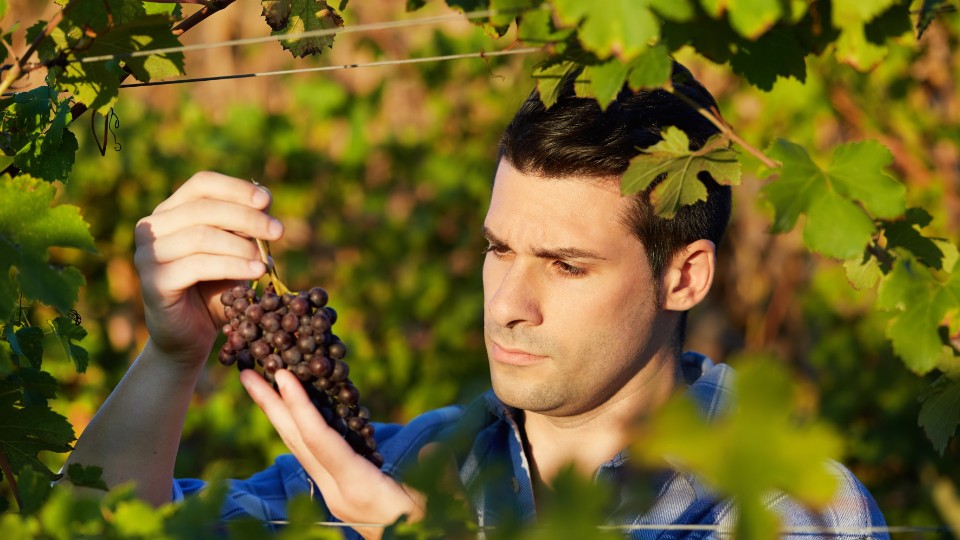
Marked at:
<point>260,196</point>
<point>275,228</point>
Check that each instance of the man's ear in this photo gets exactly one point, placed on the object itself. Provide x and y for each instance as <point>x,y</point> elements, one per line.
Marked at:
<point>687,280</point>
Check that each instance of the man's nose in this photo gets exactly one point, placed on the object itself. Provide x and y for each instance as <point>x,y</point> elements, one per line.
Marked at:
<point>516,297</point>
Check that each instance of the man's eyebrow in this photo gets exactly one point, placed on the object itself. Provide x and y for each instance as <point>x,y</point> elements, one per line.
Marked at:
<point>547,253</point>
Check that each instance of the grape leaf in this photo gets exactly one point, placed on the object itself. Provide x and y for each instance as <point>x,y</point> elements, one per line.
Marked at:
<point>863,272</point>
<point>68,332</point>
<point>775,54</point>
<point>751,18</point>
<point>34,490</point>
<point>940,411</point>
<point>905,233</point>
<point>710,37</point>
<point>28,227</point>
<point>622,28</point>
<point>651,69</point>
<point>674,10</point>
<point>891,23</point>
<point>680,168</point>
<point>86,476</point>
<point>606,80</point>
<point>756,449</point>
<point>145,33</point>
<point>27,342</point>
<point>173,11</point>
<point>853,47</point>
<point>536,26</point>
<point>921,302</point>
<point>50,155</point>
<point>3,11</point>
<point>25,115</point>
<point>297,16</point>
<point>836,226</point>
<point>38,386</point>
<point>26,431</point>
<point>550,79</point>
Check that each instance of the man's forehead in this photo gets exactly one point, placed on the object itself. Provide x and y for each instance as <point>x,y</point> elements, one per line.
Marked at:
<point>547,210</point>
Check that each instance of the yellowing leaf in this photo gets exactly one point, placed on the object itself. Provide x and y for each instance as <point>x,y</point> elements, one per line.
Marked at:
<point>298,16</point>
<point>679,167</point>
<point>622,28</point>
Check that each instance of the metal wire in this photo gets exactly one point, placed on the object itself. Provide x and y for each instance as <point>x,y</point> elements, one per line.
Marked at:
<point>402,61</point>
<point>721,529</point>
<point>470,15</point>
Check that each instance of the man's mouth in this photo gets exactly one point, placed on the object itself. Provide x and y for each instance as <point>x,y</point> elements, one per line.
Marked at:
<point>512,356</point>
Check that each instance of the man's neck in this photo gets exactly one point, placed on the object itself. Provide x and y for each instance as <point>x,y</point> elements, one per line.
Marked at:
<point>590,439</point>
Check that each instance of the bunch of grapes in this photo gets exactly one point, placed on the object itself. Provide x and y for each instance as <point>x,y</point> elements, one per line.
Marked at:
<point>293,332</point>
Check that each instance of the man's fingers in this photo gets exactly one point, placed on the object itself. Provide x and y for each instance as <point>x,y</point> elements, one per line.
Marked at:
<point>202,239</point>
<point>280,416</point>
<point>330,448</point>
<point>223,215</point>
<point>183,273</point>
<point>211,185</point>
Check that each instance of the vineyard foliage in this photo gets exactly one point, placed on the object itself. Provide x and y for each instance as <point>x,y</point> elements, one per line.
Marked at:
<point>840,127</point>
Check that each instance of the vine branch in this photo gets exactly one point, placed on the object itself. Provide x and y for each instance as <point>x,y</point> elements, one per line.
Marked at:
<point>724,128</point>
<point>17,69</point>
<point>8,472</point>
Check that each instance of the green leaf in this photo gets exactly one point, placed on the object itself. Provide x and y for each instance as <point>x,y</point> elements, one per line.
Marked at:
<point>29,226</point>
<point>34,490</point>
<point>921,303</point>
<point>621,28</point>
<point>3,11</point>
<point>25,116</point>
<point>905,233</point>
<point>26,431</point>
<point>751,18</point>
<point>297,16</point>
<point>710,37</point>
<point>863,272</point>
<point>38,386</point>
<point>68,332</point>
<point>673,10</point>
<point>680,167</point>
<point>148,32</point>
<point>836,226</point>
<point>26,342</point>
<point>775,54</point>
<point>6,364</point>
<point>50,156</point>
<point>651,69</point>
<point>173,11</point>
<point>853,47</point>
<point>536,26</point>
<point>757,449</point>
<point>84,476</point>
<point>550,80</point>
<point>606,80</point>
<point>855,177</point>
<point>136,519</point>
<point>940,411</point>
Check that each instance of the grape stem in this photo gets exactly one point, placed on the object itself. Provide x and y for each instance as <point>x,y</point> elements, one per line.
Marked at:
<point>264,248</point>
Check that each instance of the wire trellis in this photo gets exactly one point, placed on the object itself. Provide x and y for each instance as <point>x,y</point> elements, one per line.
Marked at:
<point>402,61</point>
<point>719,529</point>
<point>369,27</point>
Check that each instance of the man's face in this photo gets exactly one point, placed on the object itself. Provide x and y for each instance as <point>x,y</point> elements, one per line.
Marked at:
<point>570,315</point>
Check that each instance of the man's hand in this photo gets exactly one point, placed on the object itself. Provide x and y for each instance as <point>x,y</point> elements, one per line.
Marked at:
<point>353,488</point>
<point>195,245</point>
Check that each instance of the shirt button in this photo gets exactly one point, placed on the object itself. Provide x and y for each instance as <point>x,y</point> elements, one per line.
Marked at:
<point>515,484</point>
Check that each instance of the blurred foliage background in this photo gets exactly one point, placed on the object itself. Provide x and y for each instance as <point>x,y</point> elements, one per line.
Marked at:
<point>382,175</point>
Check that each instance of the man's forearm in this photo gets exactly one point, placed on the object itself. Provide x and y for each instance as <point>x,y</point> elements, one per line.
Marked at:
<point>136,433</point>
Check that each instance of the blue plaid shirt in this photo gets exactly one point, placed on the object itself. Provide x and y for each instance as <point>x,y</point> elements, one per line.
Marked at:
<point>682,499</point>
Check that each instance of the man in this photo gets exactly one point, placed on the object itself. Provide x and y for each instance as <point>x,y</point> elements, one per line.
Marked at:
<point>586,294</point>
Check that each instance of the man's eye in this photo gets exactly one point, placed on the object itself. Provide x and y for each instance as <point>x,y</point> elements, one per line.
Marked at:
<point>569,269</point>
<point>498,251</point>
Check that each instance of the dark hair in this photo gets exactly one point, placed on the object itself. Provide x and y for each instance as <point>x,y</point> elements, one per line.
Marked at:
<point>575,138</point>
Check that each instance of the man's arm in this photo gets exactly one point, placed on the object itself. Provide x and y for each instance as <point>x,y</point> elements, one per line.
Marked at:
<point>194,246</point>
